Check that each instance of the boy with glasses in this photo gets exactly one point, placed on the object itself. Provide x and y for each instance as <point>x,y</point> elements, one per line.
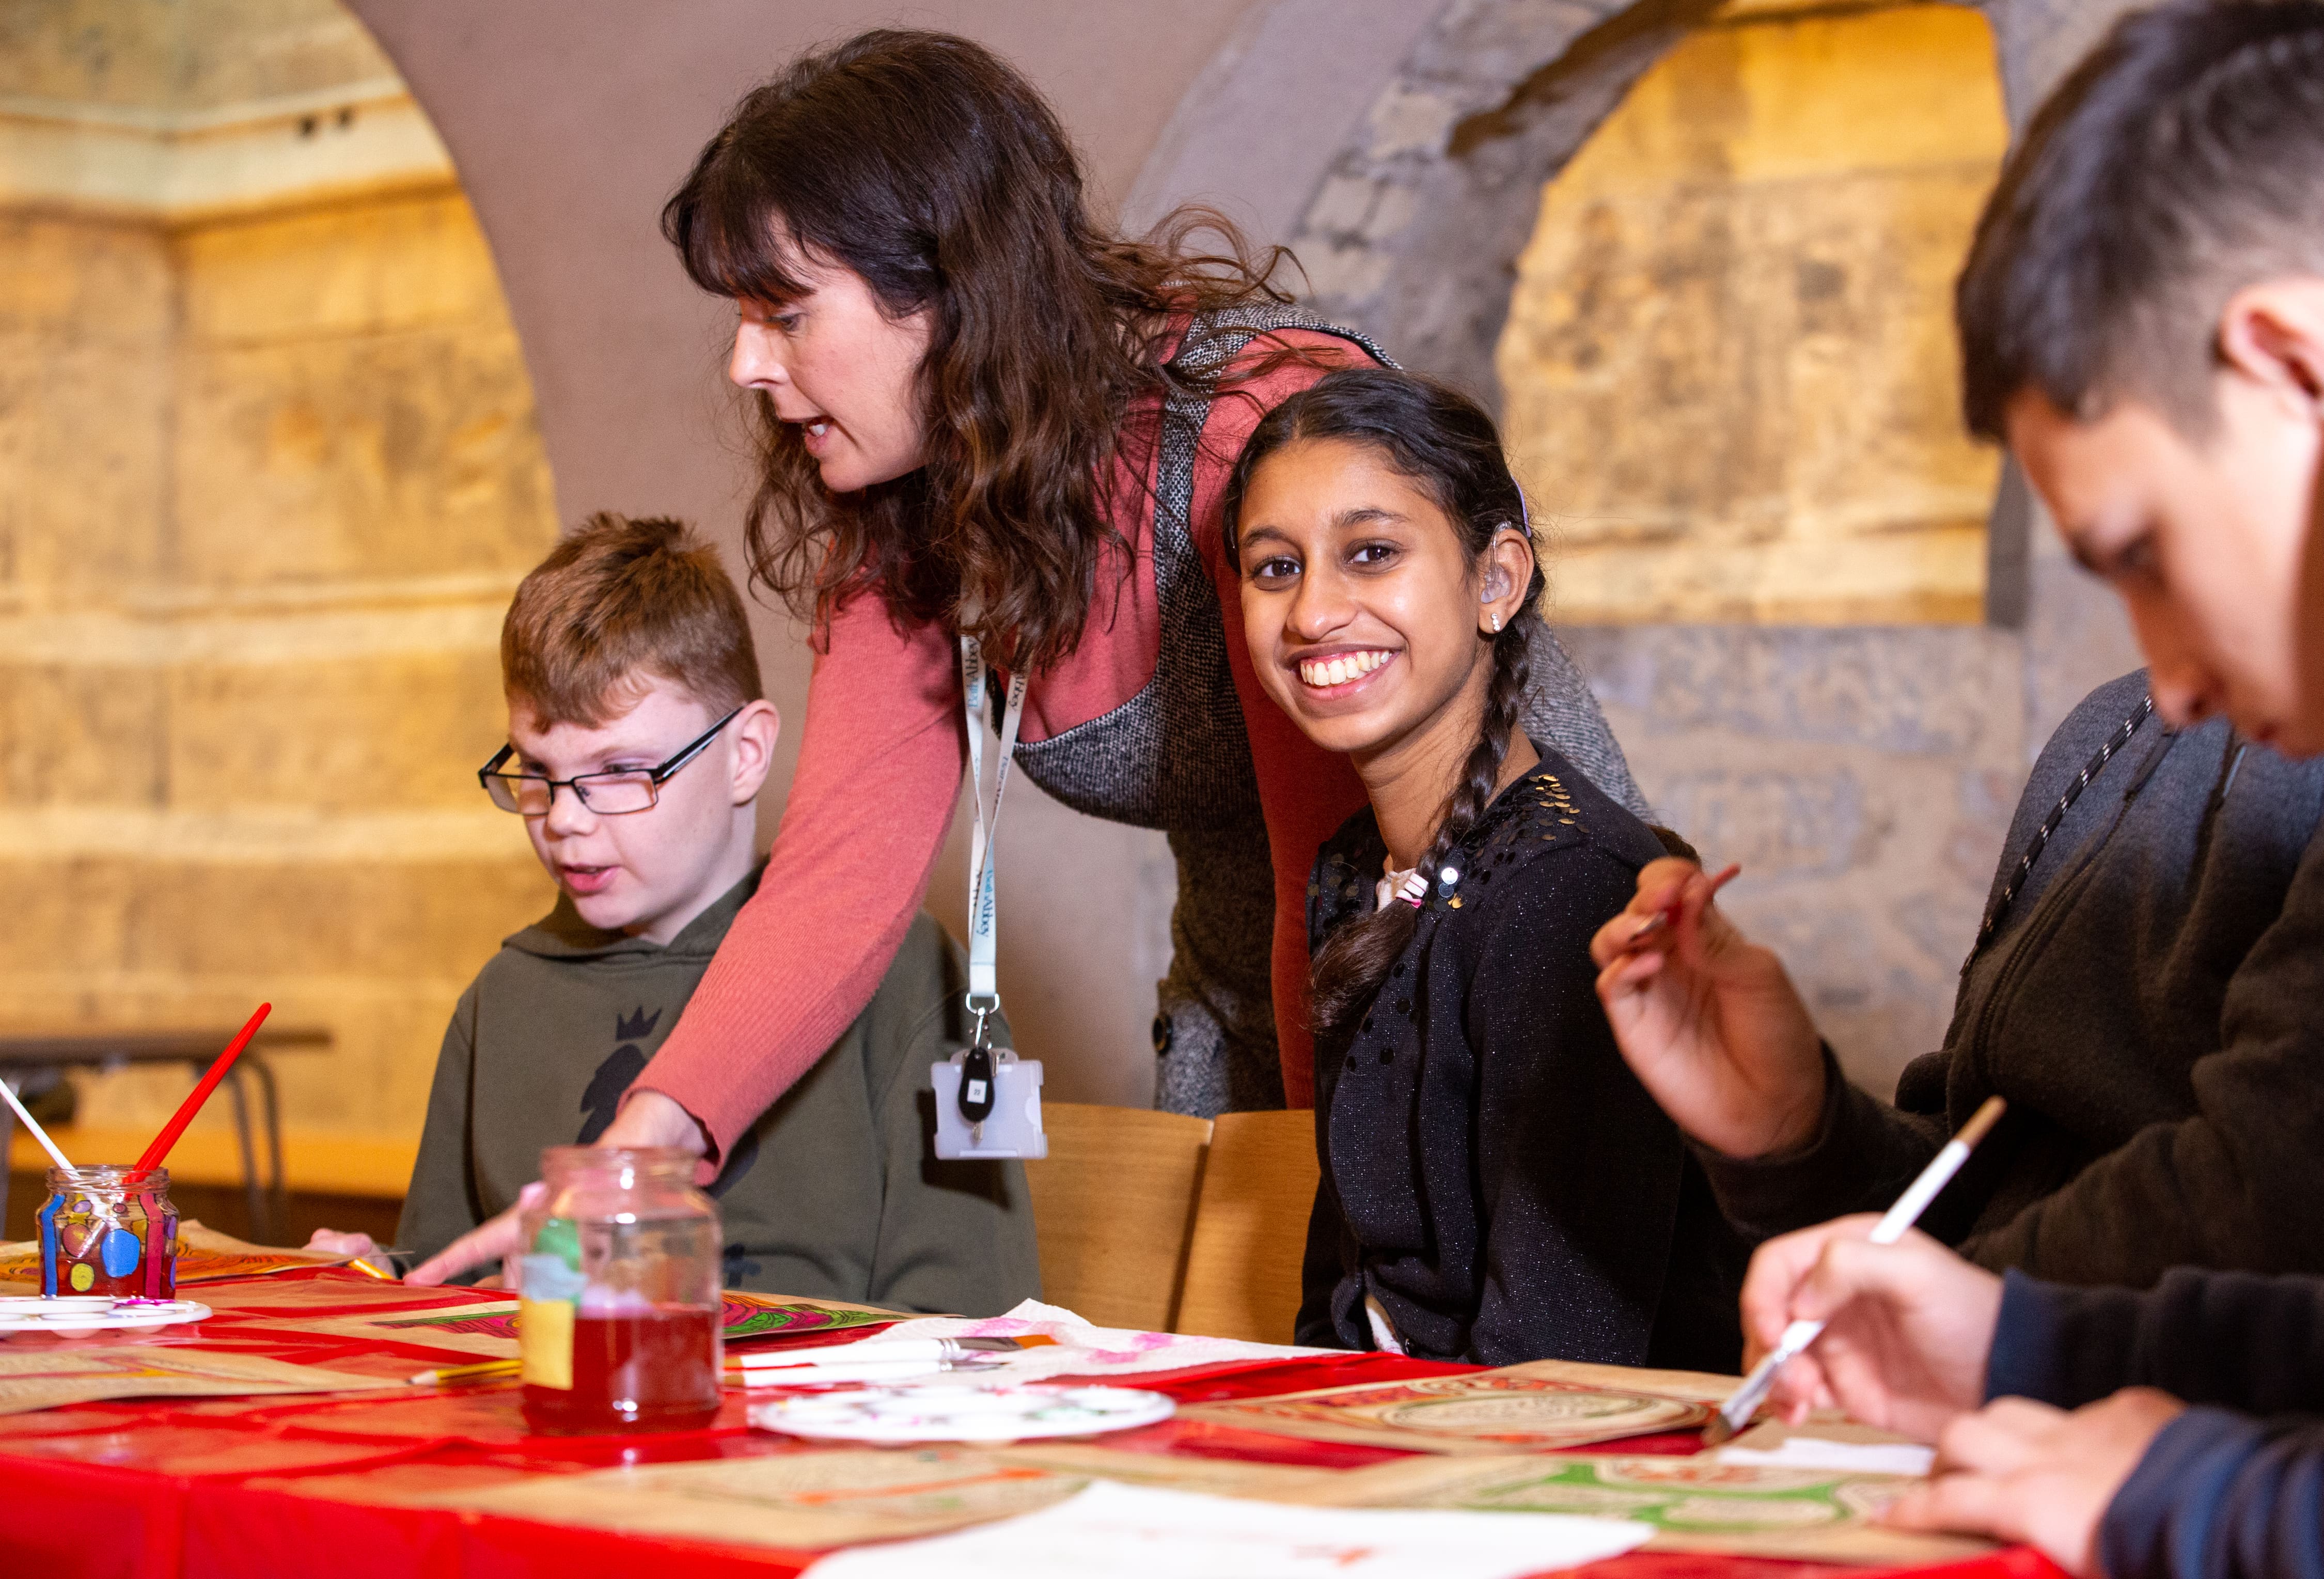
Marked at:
<point>638,738</point>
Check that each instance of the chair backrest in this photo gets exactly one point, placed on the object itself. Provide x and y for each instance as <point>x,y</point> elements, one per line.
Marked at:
<point>1251,1227</point>
<point>1113,1203</point>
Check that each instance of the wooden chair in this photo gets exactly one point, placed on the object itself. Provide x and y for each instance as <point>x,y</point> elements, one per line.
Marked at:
<point>1251,1227</point>
<point>1112,1205</point>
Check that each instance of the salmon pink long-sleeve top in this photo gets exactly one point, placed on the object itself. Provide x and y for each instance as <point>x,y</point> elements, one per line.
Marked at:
<point>880,772</point>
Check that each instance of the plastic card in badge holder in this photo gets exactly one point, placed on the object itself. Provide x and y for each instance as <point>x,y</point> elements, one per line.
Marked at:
<point>1014,1128</point>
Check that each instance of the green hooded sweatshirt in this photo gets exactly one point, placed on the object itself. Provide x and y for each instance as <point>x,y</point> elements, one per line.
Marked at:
<point>834,1193</point>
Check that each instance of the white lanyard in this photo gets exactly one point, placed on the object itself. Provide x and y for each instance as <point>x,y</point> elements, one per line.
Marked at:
<point>984,983</point>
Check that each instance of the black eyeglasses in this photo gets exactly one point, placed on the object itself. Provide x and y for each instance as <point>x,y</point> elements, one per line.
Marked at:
<point>606,794</point>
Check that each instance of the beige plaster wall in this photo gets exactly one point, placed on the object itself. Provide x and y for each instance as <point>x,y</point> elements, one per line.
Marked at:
<point>268,473</point>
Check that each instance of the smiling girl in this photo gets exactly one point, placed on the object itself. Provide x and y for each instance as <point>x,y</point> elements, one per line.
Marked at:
<point>1496,1186</point>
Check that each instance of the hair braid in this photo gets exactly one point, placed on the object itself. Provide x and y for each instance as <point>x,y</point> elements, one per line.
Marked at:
<point>1350,967</point>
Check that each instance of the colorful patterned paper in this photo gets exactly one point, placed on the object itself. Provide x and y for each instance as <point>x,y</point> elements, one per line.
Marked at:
<point>204,1256</point>
<point>830,1497</point>
<point>1694,1504</point>
<point>1540,1407</point>
<point>747,1316</point>
<point>1077,1348</point>
<point>46,1377</point>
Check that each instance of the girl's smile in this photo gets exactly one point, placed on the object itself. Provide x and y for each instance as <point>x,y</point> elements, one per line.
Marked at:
<point>1340,673</point>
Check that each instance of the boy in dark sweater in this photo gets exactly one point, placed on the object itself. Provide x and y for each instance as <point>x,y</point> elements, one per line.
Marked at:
<point>2147,992</point>
<point>2142,322</point>
<point>637,740</point>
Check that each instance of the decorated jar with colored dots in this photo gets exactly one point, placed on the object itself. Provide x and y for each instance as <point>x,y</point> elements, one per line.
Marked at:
<point>108,1231</point>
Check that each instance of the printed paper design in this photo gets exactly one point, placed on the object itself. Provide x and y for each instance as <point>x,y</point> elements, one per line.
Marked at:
<point>1520,1408</point>
<point>757,1315</point>
<point>747,1316</point>
<point>196,1261</point>
<point>836,1497</point>
<point>1691,1504</point>
<point>42,1378</point>
<point>1077,1348</point>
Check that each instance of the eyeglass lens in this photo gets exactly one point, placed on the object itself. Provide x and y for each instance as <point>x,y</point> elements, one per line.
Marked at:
<point>608,794</point>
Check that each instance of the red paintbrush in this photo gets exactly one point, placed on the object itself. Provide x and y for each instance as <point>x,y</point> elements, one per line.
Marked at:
<point>1664,919</point>
<point>176,1127</point>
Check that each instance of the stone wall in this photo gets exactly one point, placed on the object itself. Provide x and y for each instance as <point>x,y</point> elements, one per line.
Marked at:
<point>268,472</point>
<point>1729,377</point>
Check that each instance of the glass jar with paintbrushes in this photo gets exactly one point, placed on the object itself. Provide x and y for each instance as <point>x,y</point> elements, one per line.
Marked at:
<point>619,1311</point>
<point>109,1230</point>
<point>108,1233</point>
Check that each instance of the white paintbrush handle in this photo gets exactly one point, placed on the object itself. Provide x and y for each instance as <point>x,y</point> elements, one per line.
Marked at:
<point>34,1124</point>
<point>1737,1411</point>
<point>1899,1218</point>
<point>1744,1401</point>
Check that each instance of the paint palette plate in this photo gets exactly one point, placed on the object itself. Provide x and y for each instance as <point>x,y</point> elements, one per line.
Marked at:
<point>75,1315</point>
<point>944,1412</point>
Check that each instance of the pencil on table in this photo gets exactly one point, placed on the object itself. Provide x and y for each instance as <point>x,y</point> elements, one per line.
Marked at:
<point>483,1370</point>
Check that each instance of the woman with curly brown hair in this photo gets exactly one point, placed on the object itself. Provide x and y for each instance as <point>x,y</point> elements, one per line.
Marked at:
<point>980,414</point>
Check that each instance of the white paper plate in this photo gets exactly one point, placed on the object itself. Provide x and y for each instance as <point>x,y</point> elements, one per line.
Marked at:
<point>952,1413</point>
<point>95,1314</point>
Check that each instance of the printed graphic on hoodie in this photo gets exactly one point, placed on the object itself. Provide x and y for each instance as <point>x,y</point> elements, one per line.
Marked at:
<point>603,1099</point>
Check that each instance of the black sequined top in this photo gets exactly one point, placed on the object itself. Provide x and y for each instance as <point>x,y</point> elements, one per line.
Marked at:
<point>1493,1174</point>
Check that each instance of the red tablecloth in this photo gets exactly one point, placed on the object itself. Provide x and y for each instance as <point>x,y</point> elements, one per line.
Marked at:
<point>256,1487</point>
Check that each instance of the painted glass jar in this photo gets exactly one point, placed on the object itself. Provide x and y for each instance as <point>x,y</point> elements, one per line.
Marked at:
<point>618,1301</point>
<point>108,1231</point>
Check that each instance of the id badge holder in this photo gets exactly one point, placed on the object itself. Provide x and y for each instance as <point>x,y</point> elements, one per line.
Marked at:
<point>988,1103</point>
<point>988,1099</point>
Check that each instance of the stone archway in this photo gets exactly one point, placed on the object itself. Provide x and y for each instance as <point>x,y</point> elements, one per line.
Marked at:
<point>1488,102</point>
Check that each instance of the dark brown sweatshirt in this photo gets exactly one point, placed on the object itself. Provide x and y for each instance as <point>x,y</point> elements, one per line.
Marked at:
<point>832,1193</point>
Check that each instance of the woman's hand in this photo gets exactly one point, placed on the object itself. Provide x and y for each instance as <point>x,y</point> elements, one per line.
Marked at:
<point>359,1246</point>
<point>647,1119</point>
<point>1707,1020</point>
<point>1908,1327</point>
<point>2024,1471</point>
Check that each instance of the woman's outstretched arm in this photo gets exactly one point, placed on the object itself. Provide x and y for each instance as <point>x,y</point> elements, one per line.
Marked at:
<point>879,772</point>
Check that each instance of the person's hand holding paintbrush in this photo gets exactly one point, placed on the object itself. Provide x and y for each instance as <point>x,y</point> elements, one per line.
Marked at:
<point>1708,1019</point>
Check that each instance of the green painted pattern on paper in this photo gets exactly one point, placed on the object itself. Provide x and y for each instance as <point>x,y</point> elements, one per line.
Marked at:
<point>1682,1495</point>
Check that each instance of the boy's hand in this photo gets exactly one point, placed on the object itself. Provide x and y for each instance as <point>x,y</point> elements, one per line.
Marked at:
<point>2024,1471</point>
<point>1707,1020</point>
<point>360,1246</point>
<point>492,1241</point>
<point>1909,1326</point>
<point>647,1119</point>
